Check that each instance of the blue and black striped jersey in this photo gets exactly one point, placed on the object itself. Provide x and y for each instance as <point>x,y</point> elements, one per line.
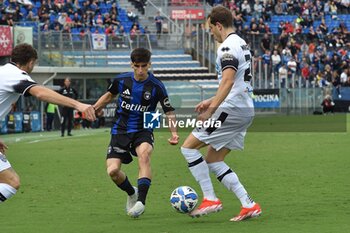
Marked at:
<point>134,99</point>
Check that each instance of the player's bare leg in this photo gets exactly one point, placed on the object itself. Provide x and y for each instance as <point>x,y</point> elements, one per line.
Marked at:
<point>200,171</point>
<point>144,151</point>
<point>121,180</point>
<point>9,183</point>
<point>229,179</point>
<point>113,170</point>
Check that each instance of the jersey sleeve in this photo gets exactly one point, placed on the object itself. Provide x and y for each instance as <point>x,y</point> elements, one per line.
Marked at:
<point>164,99</point>
<point>24,84</point>
<point>228,59</point>
<point>114,87</point>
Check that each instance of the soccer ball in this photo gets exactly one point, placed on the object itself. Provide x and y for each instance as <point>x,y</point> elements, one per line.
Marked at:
<point>184,199</point>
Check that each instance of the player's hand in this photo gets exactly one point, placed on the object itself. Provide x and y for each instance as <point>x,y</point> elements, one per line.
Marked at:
<point>204,116</point>
<point>202,106</point>
<point>98,112</point>
<point>3,147</point>
<point>88,110</point>
<point>174,140</point>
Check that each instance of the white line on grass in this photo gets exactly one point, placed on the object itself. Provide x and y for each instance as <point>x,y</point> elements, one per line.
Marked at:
<point>47,136</point>
<point>56,138</point>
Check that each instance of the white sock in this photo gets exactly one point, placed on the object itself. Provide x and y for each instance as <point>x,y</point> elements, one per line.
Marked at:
<point>230,180</point>
<point>200,171</point>
<point>6,191</point>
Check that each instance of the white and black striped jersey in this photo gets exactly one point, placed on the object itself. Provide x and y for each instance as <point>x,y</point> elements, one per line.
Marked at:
<point>234,53</point>
<point>13,83</point>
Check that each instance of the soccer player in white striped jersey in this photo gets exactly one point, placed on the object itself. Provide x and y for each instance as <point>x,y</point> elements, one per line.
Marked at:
<point>15,81</point>
<point>233,107</point>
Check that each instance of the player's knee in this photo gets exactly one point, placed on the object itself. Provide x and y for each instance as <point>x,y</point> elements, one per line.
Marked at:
<point>185,144</point>
<point>14,181</point>
<point>210,160</point>
<point>144,158</point>
<point>113,172</point>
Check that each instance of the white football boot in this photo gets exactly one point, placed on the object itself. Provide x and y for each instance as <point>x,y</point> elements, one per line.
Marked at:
<point>131,200</point>
<point>137,210</point>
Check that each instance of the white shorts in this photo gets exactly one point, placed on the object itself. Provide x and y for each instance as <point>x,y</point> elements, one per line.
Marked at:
<point>231,133</point>
<point>4,163</point>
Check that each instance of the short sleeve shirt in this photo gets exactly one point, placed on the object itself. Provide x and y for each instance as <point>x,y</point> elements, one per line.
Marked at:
<point>14,82</point>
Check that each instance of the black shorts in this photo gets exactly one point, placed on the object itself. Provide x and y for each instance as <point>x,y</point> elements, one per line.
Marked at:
<point>122,146</point>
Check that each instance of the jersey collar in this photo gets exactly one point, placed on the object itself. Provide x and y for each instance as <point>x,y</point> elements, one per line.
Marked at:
<point>14,64</point>
<point>232,33</point>
<point>148,77</point>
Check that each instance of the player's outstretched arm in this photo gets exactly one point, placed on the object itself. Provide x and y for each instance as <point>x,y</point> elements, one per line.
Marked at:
<point>171,118</point>
<point>48,95</point>
<point>102,102</point>
<point>3,147</point>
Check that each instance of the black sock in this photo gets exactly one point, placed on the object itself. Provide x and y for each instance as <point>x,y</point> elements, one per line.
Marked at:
<point>127,187</point>
<point>2,198</point>
<point>143,186</point>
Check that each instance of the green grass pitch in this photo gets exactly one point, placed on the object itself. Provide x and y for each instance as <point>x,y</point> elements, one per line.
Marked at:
<point>300,179</point>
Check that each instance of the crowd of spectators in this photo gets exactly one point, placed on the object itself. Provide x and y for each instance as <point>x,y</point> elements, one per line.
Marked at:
<point>306,46</point>
<point>77,16</point>
<point>140,5</point>
<point>267,8</point>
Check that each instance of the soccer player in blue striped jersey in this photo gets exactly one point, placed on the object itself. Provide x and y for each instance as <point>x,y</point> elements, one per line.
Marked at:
<point>138,92</point>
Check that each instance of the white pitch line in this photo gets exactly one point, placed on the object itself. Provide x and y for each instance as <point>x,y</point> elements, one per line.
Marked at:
<point>46,136</point>
<point>56,138</point>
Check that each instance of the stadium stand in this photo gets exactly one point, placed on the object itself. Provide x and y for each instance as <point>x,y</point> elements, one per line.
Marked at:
<point>62,25</point>
<point>185,3</point>
<point>323,25</point>
<point>311,39</point>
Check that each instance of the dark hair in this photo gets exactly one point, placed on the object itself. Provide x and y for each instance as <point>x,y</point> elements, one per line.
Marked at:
<point>22,54</point>
<point>140,55</point>
<point>222,15</point>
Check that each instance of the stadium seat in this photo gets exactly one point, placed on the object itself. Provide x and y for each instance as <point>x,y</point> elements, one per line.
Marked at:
<point>35,11</point>
<point>92,29</point>
<point>74,30</point>
<point>23,12</point>
<point>104,10</point>
<point>52,18</point>
<point>306,30</point>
